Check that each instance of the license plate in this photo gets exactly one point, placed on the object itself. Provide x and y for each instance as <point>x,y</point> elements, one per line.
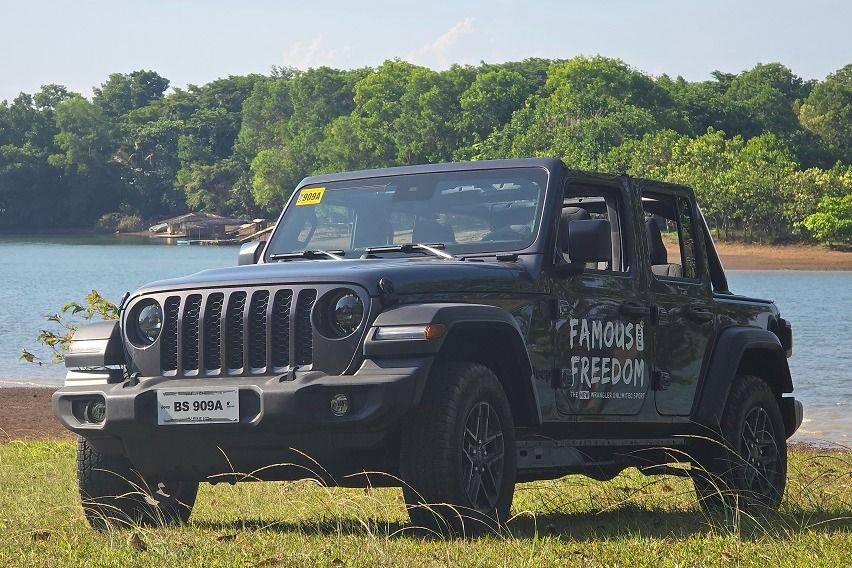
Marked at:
<point>198,406</point>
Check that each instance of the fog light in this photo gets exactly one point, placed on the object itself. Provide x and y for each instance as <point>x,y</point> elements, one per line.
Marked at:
<point>95,411</point>
<point>339,404</point>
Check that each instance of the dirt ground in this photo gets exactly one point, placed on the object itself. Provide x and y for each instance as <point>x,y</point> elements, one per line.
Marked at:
<point>741,256</point>
<point>26,414</point>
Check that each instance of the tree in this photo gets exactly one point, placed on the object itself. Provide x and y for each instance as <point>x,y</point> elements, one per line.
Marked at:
<point>769,93</point>
<point>489,103</point>
<point>85,138</point>
<point>762,148</point>
<point>827,112</point>
<point>122,93</point>
<point>832,222</point>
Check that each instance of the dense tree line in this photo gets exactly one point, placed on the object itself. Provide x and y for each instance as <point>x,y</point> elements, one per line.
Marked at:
<point>769,153</point>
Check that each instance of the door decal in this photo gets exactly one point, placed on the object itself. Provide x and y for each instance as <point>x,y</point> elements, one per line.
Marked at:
<point>605,354</point>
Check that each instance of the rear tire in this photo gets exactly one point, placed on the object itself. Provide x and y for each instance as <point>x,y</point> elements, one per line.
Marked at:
<point>457,458</point>
<point>114,494</point>
<point>748,468</point>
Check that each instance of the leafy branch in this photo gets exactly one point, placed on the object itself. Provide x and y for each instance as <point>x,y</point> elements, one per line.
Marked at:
<point>57,338</point>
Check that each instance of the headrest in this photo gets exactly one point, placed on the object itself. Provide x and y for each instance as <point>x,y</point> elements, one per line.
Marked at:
<point>589,240</point>
<point>372,232</point>
<point>428,230</point>
<point>575,214</point>
<point>507,214</point>
<point>657,253</point>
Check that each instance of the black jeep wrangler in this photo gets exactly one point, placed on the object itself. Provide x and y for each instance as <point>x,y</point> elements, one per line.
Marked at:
<point>456,327</point>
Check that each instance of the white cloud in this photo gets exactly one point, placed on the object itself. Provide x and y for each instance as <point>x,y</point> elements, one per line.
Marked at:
<point>315,54</point>
<point>435,54</point>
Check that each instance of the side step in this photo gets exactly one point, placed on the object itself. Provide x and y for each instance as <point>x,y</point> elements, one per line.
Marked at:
<point>543,458</point>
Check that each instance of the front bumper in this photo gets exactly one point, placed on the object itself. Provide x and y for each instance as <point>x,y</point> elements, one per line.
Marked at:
<point>280,420</point>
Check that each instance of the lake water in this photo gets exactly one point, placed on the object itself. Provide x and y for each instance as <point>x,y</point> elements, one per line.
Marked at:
<point>37,275</point>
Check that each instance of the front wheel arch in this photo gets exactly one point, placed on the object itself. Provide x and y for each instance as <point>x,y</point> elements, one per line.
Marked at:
<point>499,347</point>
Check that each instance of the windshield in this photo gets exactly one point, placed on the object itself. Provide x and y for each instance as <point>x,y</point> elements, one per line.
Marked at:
<point>466,212</point>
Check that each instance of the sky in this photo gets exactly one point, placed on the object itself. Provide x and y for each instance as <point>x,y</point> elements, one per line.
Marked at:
<point>78,44</point>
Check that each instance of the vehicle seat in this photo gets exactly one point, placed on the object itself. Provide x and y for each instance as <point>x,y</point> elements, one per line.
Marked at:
<point>579,214</point>
<point>509,222</point>
<point>371,232</point>
<point>428,231</point>
<point>658,256</point>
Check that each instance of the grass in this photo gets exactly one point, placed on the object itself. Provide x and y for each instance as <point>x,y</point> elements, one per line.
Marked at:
<point>632,520</point>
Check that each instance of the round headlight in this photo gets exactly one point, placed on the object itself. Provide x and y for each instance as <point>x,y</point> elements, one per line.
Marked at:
<point>346,314</point>
<point>149,322</point>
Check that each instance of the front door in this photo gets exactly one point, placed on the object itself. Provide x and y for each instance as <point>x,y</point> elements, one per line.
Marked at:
<point>603,351</point>
<point>681,297</point>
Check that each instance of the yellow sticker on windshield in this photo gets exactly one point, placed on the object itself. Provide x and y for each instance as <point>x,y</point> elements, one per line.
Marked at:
<point>310,196</point>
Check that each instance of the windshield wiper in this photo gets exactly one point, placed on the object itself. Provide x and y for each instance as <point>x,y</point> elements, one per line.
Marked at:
<point>408,248</point>
<point>332,254</point>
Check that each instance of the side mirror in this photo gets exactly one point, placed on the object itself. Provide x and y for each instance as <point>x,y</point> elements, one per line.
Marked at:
<point>586,240</point>
<point>250,252</point>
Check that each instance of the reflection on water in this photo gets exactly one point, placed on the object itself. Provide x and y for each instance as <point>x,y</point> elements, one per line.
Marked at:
<point>39,274</point>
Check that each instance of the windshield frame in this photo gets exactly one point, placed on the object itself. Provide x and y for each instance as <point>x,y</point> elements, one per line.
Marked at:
<point>533,247</point>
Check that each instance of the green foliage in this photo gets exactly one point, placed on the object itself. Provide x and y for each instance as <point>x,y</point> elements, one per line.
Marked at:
<point>827,112</point>
<point>124,93</point>
<point>761,147</point>
<point>832,221</point>
<point>57,338</point>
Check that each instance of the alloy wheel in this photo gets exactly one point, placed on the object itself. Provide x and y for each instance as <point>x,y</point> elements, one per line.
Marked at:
<point>759,452</point>
<point>483,453</point>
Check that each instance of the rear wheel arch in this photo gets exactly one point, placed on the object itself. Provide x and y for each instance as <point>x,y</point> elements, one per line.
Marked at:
<point>770,364</point>
<point>738,351</point>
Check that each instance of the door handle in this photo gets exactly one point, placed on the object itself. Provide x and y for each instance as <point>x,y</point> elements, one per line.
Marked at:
<point>700,315</point>
<point>635,310</point>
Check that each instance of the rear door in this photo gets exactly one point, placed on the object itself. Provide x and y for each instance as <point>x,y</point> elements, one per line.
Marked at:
<point>681,296</point>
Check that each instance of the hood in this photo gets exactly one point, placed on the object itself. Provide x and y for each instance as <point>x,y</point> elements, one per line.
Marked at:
<point>417,275</point>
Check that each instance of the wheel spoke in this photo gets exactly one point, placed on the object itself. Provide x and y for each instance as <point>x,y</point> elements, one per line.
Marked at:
<point>493,495</point>
<point>750,472</point>
<point>486,409</point>
<point>467,455</point>
<point>467,432</point>
<point>479,422</point>
<point>761,424</point>
<point>469,486</point>
<point>493,458</point>
<point>491,439</point>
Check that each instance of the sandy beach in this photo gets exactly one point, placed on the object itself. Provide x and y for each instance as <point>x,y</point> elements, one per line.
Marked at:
<point>26,414</point>
<point>745,256</point>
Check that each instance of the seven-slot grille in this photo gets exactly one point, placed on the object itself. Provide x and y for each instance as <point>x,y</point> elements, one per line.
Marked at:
<point>237,332</point>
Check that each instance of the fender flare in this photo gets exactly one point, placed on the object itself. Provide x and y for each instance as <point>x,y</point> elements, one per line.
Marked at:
<point>731,346</point>
<point>453,316</point>
<point>96,344</point>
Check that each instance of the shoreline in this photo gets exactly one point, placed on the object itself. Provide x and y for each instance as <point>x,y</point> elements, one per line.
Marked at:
<point>734,255</point>
<point>746,256</point>
<point>26,414</point>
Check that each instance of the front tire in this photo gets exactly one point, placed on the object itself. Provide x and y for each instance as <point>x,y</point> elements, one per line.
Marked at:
<point>114,494</point>
<point>458,460</point>
<point>748,468</point>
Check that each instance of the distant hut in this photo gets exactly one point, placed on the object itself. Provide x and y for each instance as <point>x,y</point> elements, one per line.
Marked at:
<point>255,229</point>
<point>197,226</point>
